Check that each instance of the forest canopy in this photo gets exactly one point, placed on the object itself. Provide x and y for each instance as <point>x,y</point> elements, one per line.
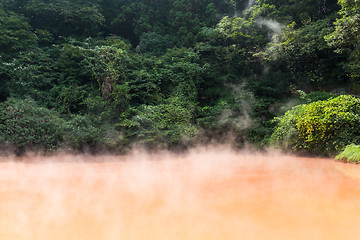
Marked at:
<point>107,74</point>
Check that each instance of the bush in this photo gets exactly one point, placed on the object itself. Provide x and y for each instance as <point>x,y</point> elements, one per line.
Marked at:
<point>322,127</point>
<point>93,133</point>
<point>81,132</point>
<point>154,43</point>
<point>318,96</point>
<point>26,124</point>
<point>350,154</point>
<point>166,124</point>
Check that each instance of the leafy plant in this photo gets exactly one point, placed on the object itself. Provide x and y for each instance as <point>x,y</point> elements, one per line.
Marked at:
<point>350,154</point>
<point>345,37</point>
<point>81,132</point>
<point>154,43</point>
<point>26,124</point>
<point>15,34</point>
<point>322,127</point>
<point>166,124</point>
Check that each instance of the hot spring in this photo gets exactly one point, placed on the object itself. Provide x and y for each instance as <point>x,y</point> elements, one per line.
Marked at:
<point>206,194</point>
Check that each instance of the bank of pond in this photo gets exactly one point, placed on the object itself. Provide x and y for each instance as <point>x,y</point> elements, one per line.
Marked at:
<point>322,128</point>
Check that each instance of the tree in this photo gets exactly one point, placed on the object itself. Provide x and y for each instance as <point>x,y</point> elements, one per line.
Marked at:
<point>61,17</point>
<point>300,12</point>
<point>167,124</point>
<point>154,43</point>
<point>15,35</point>
<point>305,55</point>
<point>346,37</point>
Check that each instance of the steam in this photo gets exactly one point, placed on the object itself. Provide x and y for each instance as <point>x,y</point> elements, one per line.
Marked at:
<point>246,100</point>
<point>250,3</point>
<point>274,26</point>
<point>271,24</point>
<point>276,30</point>
<point>208,193</point>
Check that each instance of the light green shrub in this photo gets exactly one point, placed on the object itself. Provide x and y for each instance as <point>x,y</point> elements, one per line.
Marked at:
<point>350,154</point>
<point>322,127</point>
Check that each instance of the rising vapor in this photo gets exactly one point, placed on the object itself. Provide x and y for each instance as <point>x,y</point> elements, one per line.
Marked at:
<point>210,193</point>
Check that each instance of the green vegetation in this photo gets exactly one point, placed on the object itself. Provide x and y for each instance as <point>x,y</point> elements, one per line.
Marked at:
<point>351,154</point>
<point>322,127</point>
<point>26,124</point>
<point>174,73</point>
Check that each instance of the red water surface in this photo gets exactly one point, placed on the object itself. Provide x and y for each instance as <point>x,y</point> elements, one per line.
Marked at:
<point>206,194</point>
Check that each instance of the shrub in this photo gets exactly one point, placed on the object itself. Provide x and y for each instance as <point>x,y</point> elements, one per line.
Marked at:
<point>154,43</point>
<point>286,133</point>
<point>81,132</point>
<point>317,96</point>
<point>166,124</point>
<point>322,127</point>
<point>26,124</point>
<point>92,133</point>
<point>350,154</point>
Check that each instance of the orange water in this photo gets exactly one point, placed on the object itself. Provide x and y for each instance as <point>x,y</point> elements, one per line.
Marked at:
<point>207,194</point>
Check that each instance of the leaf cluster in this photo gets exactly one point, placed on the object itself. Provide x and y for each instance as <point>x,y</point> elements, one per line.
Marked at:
<point>322,127</point>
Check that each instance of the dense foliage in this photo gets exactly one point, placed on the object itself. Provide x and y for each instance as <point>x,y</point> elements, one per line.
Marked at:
<point>321,127</point>
<point>26,124</point>
<point>174,73</point>
<point>350,154</point>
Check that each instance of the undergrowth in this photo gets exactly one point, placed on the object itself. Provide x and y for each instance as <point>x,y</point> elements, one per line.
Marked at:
<point>351,154</point>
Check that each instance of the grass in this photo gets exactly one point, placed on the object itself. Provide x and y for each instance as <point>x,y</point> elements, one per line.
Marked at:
<point>351,154</point>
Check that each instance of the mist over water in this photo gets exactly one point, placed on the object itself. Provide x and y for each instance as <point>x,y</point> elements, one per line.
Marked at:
<point>209,193</point>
